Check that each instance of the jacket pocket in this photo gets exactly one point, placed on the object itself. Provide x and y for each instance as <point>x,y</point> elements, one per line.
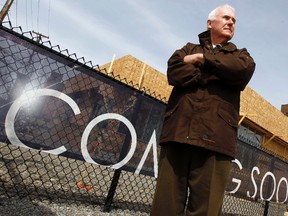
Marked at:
<point>230,116</point>
<point>170,112</point>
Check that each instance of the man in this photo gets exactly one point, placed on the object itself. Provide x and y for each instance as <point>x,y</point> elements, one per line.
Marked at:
<point>198,139</point>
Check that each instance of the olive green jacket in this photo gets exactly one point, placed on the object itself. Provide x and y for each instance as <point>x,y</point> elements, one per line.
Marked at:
<point>203,109</point>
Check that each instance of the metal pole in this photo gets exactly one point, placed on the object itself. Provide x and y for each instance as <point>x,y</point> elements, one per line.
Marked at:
<point>5,10</point>
<point>117,173</point>
<point>266,208</point>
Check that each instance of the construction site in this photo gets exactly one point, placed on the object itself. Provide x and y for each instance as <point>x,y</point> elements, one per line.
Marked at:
<point>76,133</point>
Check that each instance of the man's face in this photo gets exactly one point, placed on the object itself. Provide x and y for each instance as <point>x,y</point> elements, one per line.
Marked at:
<point>222,27</point>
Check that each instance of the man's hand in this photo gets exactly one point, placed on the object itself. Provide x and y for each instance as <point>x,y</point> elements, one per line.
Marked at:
<point>195,59</point>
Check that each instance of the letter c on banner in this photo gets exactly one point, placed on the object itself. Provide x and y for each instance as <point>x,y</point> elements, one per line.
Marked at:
<point>26,97</point>
<point>99,119</point>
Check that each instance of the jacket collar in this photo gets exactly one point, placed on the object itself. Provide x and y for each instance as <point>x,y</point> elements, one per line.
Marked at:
<point>205,40</point>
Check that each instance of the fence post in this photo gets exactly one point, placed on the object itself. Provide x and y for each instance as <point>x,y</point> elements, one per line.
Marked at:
<point>112,190</point>
<point>266,208</point>
<point>124,150</point>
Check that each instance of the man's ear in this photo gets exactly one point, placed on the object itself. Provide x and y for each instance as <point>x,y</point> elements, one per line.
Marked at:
<point>209,24</point>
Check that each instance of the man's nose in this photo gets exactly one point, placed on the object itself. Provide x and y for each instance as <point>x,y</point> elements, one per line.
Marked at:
<point>231,21</point>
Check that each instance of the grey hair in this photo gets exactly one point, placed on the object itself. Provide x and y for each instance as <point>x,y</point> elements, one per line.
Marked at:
<point>212,14</point>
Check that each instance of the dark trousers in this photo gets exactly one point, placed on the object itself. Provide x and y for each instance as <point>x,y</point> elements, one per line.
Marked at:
<point>183,166</point>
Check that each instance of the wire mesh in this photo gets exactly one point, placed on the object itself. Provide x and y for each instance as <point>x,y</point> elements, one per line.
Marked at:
<point>68,133</point>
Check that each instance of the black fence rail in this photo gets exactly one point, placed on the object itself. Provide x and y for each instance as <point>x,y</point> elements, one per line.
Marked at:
<point>71,133</point>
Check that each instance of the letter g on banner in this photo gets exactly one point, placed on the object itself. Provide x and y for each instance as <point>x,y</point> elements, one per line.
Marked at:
<point>28,97</point>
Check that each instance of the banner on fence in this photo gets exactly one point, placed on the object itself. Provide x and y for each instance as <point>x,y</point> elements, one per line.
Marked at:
<point>60,106</point>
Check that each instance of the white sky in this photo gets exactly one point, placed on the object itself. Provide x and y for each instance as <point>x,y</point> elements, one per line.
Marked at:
<point>151,30</point>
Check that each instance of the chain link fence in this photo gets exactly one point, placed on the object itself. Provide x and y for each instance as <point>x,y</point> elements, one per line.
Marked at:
<point>71,133</point>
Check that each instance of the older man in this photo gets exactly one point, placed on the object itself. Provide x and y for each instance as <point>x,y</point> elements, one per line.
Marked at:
<point>198,139</point>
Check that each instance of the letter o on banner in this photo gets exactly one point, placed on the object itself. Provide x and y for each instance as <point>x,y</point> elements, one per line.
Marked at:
<point>278,187</point>
<point>262,182</point>
<point>99,119</point>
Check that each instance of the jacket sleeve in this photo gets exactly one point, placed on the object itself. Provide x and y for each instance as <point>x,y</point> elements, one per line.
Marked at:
<point>179,73</point>
<point>234,68</point>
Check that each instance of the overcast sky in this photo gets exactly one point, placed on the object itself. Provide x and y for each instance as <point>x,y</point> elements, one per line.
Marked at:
<point>151,30</point>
